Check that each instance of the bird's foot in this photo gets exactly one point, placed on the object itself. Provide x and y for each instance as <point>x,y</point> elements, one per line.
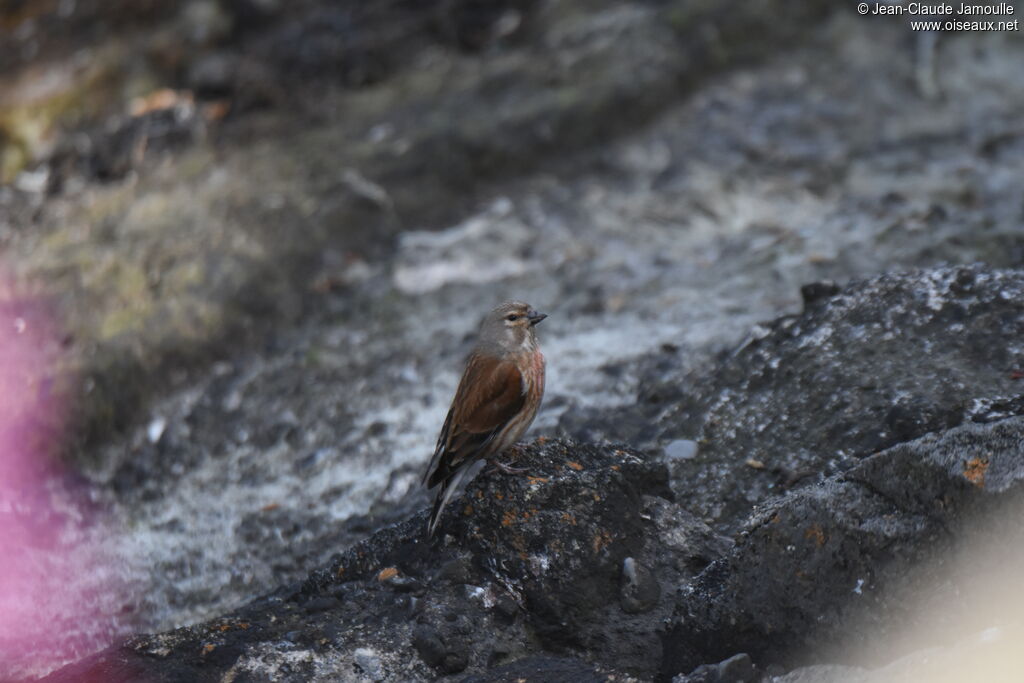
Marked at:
<point>497,466</point>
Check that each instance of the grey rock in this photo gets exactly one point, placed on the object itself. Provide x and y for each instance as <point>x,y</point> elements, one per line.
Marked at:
<point>883,361</point>
<point>639,590</point>
<point>369,663</point>
<point>521,563</point>
<point>815,292</point>
<point>546,669</point>
<point>826,567</point>
<point>705,673</point>
<point>524,565</point>
<point>428,644</point>
<point>737,669</point>
<point>204,22</point>
<point>213,75</point>
<point>681,449</point>
<point>824,673</point>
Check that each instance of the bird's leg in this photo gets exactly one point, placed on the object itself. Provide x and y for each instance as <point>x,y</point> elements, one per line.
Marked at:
<point>497,465</point>
<point>506,468</point>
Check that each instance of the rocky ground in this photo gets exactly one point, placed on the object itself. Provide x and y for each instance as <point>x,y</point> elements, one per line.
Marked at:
<point>269,282</point>
<point>595,557</point>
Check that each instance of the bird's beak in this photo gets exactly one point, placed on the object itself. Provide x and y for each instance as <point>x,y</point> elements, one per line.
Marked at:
<point>535,317</point>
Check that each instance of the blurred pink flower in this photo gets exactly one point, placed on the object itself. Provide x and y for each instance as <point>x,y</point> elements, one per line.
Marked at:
<point>50,569</point>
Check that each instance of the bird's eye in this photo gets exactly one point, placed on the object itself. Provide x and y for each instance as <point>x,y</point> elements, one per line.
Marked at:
<point>511,317</point>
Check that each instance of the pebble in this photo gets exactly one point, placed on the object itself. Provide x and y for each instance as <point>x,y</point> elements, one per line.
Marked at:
<point>681,449</point>
<point>369,662</point>
<point>639,590</point>
<point>156,429</point>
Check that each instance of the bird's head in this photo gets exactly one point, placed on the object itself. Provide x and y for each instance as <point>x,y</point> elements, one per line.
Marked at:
<point>510,327</point>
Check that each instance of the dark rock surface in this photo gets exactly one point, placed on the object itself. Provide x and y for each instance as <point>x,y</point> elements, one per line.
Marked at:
<point>736,669</point>
<point>525,565</point>
<point>864,367</point>
<point>833,567</point>
<point>807,567</point>
<point>539,669</point>
<point>592,554</point>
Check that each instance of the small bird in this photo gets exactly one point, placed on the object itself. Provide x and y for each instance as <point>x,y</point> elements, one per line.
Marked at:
<point>497,399</point>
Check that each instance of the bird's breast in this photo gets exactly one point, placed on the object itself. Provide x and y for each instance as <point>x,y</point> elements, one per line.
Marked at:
<point>537,373</point>
<point>531,369</point>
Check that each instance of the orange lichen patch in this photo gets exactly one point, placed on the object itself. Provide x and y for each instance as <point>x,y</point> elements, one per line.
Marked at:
<point>542,440</point>
<point>601,541</point>
<point>508,518</point>
<point>537,480</point>
<point>270,506</point>
<point>497,494</point>
<point>532,512</point>
<point>216,110</point>
<point>566,517</point>
<point>387,573</point>
<point>814,533</point>
<point>208,648</point>
<point>165,98</point>
<point>340,573</point>
<point>974,472</point>
<point>468,510</point>
<point>615,467</point>
<point>575,465</point>
<point>227,626</point>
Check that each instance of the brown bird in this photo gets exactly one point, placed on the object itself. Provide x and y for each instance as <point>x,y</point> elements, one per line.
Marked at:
<point>497,399</point>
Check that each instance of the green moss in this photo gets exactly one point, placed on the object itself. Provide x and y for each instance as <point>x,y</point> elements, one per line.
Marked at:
<point>124,285</point>
<point>29,113</point>
<point>117,322</point>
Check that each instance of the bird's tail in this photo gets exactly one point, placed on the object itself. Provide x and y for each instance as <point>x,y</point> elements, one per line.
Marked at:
<point>445,492</point>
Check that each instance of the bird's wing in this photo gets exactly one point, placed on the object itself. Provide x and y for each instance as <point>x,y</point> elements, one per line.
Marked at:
<point>490,394</point>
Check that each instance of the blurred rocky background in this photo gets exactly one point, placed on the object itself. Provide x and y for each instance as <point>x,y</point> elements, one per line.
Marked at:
<point>267,231</point>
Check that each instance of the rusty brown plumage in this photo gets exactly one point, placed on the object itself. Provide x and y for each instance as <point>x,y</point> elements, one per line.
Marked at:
<point>498,396</point>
